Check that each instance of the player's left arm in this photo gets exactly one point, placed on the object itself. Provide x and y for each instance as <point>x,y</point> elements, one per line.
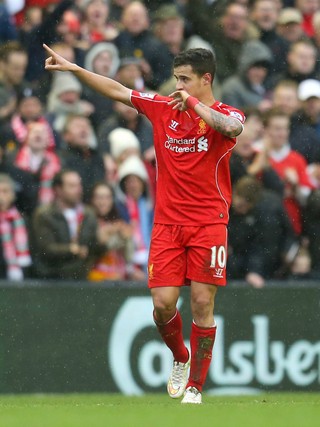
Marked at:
<point>227,125</point>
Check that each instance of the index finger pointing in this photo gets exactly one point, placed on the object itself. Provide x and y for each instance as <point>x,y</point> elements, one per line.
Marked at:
<point>47,48</point>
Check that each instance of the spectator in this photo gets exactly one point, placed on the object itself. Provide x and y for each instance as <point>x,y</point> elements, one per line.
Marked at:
<point>65,99</point>
<point>8,103</point>
<point>7,28</point>
<point>24,185</point>
<point>102,58</point>
<point>135,207</point>
<point>246,88</point>
<point>95,24</point>
<point>136,39</point>
<point>289,165</point>
<point>33,16</point>
<point>309,95</point>
<point>32,19</point>
<point>79,155</point>
<point>123,143</point>
<point>65,232</point>
<point>14,248</point>
<point>116,9</point>
<point>256,254</point>
<point>169,26</point>
<point>316,36</point>
<point>111,170</point>
<point>44,84</point>
<point>46,32</point>
<point>225,33</point>
<point>307,8</point>
<point>264,15</point>
<point>13,62</point>
<point>114,234</point>
<point>301,63</point>
<point>285,97</point>
<point>247,160</point>
<point>130,73</point>
<point>19,7</point>
<point>35,158</point>
<point>289,24</point>
<point>303,138</point>
<point>68,30</point>
<point>29,109</point>
<point>126,117</point>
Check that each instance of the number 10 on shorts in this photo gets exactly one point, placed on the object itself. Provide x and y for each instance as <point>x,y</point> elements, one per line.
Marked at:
<point>218,257</point>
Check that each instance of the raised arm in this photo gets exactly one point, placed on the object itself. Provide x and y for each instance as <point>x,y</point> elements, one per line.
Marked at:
<point>227,125</point>
<point>107,87</point>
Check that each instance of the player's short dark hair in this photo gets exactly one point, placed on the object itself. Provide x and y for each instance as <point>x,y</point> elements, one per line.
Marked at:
<point>201,60</point>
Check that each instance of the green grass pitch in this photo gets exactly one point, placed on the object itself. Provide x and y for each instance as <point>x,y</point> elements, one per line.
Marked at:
<point>158,410</point>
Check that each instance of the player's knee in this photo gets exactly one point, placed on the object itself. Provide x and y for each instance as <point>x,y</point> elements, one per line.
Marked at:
<point>202,306</point>
<point>163,306</point>
<point>164,303</point>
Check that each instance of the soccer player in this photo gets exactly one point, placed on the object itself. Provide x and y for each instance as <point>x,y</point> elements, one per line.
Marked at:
<point>194,136</point>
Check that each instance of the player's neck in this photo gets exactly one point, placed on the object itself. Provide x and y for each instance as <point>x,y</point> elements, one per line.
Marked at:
<point>207,99</point>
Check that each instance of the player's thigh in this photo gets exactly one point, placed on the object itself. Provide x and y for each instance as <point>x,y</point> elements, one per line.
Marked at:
<point>167,258</point>
<point>207,255</point>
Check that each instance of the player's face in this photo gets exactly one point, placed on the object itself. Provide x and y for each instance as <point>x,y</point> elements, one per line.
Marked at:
<point>189,81</point>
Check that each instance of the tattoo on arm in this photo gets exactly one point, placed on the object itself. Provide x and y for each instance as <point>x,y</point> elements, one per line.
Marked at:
<point>226,125</point>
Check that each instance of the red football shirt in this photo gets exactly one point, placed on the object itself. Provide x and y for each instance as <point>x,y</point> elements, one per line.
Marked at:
<point>193,178</point>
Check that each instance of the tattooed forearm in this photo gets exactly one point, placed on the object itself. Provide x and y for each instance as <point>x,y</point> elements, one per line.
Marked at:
<point>226,125</point>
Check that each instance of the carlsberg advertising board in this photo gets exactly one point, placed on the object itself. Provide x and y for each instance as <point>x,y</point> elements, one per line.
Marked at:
<point>102,339</point>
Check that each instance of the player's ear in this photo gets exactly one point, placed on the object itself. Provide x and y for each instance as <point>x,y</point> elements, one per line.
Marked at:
<point>207,78</point>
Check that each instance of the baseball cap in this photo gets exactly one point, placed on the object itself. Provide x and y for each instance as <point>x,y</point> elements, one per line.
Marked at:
<point>166,11</point>
<point>308,89</point>
<point>289,15</point>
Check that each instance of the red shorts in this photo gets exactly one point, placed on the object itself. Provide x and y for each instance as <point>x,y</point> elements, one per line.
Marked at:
<point>180,254</point>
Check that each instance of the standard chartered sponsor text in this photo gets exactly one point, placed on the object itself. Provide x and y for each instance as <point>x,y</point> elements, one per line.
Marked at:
<point>181,145</point>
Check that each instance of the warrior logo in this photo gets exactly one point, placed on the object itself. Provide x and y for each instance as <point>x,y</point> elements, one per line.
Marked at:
<point>174,125</point>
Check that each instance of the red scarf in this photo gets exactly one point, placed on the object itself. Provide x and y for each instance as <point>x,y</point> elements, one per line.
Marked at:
<point>14,243</point>
<point>133,210</point>
<point>20,130</point>
<point>48,168</point>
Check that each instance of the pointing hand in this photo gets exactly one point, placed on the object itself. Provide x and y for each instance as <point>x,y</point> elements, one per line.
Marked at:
<point>56,62</point>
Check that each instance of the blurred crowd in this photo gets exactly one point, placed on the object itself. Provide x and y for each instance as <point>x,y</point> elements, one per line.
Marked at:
<point>77,171</point>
